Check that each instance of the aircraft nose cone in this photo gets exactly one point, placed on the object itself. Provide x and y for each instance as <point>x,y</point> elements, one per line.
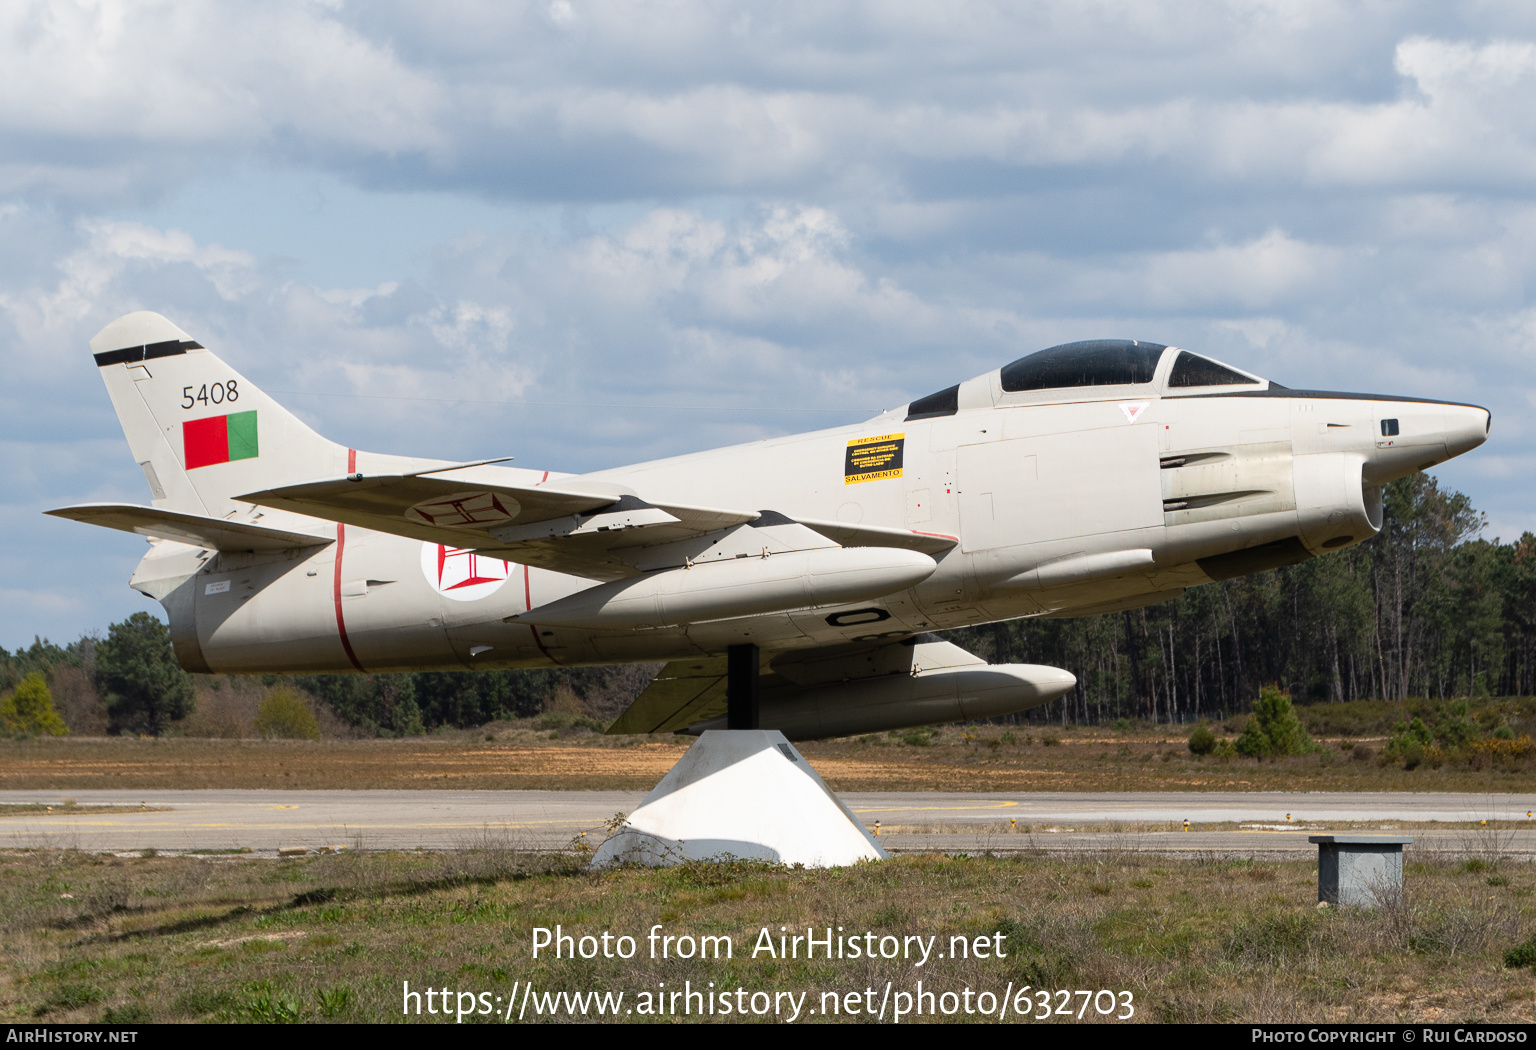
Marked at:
<point>1467,428</point>
<point>1419,434</point>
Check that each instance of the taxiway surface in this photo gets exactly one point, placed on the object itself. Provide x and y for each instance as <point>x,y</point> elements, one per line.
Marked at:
<point>266,821</point>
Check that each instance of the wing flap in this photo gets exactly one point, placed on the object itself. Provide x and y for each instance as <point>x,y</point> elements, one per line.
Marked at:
<point>194,530</point>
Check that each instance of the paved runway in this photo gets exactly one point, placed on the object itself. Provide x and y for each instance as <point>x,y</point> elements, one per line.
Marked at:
<point>265,821</point>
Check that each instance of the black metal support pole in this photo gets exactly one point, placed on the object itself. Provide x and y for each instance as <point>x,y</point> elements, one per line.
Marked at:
<point>741,663</point>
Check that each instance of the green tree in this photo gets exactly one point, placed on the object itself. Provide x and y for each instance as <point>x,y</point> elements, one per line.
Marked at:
<point>284,714</point>
<point>141,682</point>
<point>1274,729</point>
<point>30,709</point>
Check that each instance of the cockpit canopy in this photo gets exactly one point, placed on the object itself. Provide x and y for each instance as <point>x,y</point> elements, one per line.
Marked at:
<point>1093,363</point>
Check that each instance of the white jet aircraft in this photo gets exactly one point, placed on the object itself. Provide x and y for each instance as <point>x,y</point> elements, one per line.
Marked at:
<point>788,584</point>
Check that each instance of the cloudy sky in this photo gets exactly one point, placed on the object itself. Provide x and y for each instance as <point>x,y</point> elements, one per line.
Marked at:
<point>590,233</point>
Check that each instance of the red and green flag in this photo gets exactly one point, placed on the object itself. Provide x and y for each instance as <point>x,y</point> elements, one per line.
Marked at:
<point>219,439</point>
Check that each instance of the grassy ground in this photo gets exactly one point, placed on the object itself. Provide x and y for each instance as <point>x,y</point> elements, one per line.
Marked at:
<point>88,938</point>
<point>511,755</point>
<point>70,808</point>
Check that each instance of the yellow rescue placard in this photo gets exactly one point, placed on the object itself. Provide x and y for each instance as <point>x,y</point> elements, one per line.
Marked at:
<point>873,458</point>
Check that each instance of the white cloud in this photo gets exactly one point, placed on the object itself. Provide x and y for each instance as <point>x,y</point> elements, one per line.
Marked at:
<point>109,97</point>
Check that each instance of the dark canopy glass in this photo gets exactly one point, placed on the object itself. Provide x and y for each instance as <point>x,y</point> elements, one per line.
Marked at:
<point>945,403</point>
<point>1192,370</point>
<point>1093,362</point>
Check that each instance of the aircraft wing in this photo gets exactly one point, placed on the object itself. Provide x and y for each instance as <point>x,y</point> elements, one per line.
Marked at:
<point>195,530</point>
<point>565,529</point>
<point>684,693</point>
<point>846,535</point>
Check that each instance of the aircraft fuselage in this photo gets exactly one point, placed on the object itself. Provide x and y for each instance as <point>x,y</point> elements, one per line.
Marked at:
<point>1064,503</point>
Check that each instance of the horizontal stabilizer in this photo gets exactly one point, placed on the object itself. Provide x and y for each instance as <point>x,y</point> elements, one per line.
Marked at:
<point>195,530</point>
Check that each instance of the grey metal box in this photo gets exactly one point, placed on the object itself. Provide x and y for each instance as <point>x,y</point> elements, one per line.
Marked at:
<point>1359,871</point>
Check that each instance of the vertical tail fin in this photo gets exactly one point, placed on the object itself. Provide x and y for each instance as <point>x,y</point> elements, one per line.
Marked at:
<point>200,431</point>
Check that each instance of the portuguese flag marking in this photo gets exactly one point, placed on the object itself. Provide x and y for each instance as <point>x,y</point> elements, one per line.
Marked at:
<point>219,439</point>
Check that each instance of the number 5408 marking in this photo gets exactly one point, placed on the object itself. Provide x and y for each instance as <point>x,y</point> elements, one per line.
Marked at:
<point>210,394</point>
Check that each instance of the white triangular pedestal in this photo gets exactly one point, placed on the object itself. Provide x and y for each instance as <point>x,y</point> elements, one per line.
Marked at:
<point>745,794</point>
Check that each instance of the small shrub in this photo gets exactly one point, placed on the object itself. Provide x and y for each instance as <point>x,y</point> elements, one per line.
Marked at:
<point>565,720</point>
<point>1050,739</point>
<point>201,1002</point>
<point>1523,954</point>
<point>71,997</point>
<point>1202,741</point>
<point>1274,729</point>
<point>1272,941</point>
<point>285,715</point>
<point>918,738</point>
<point>29,709</point>
<point>334,1001</point>
<point>267,1005</point>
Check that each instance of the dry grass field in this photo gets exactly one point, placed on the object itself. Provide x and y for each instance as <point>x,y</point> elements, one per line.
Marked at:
<point>146,939</point>
<point>514,755</point>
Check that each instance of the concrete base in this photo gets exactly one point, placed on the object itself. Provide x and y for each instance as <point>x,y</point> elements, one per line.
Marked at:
<point>743,794</point>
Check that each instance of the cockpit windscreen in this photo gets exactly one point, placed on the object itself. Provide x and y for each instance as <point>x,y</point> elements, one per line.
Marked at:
<point>1192,370</point>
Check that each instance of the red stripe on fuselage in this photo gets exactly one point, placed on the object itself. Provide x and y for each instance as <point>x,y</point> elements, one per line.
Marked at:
<point>341,542</point>
<point>528,602</point>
